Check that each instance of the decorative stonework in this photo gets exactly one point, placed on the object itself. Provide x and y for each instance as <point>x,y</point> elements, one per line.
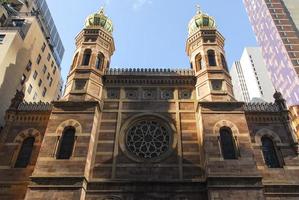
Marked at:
<point>166,94</point>
<point>132,93</point>
<point>266,132</point>
<point>68,123</point>
<point>185,94</point>
<point>149,94</point>
<point>113,93</point>
<point>148,138</point>
<point>225,123</point>
<point>28,133</point>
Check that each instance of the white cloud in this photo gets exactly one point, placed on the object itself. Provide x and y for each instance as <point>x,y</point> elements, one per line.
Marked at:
<point>137,4</point>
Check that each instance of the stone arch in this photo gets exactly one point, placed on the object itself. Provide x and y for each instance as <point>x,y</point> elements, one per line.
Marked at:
<point>71,122</point>
<point>269,133</point>
<point>225,123</point>
<point>31,132</point>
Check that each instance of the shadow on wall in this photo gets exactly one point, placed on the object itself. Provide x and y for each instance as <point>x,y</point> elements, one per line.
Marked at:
<point>12,80</point>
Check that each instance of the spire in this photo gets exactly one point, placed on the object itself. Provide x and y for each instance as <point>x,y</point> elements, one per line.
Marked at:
<point>198,9</point>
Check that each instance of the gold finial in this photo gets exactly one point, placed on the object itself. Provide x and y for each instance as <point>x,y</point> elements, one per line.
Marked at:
<point>198,11</point>
<point>102,9</point>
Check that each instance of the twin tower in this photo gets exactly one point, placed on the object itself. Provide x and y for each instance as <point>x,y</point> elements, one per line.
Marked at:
<point>95,47</point>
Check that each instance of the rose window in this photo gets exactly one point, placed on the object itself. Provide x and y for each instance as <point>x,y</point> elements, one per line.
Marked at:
<point>148,139</point>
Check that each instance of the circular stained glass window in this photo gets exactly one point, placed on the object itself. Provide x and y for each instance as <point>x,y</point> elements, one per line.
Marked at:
<point>148,139</point>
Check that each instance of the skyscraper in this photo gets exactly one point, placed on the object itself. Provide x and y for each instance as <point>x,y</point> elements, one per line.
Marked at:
<point>275,23</point>
<point>31,53</point>
<point>250,77</point>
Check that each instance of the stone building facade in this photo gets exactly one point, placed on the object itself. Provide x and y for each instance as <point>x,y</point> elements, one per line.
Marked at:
<point>148,134</point>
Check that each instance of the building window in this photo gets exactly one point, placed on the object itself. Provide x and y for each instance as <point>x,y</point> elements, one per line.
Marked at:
<point>43,47</point>
<point>40,82</point>
<point>44,69</point>
<point>25,152</point>
<point>100,61</point>
<point>18,22</point>
<point>44,92</point>
<point>39,57</point>
<point>198,60</point>
<point>35,75</point>
<point>29,65</point>
<point>49,57</point>
<point>212,58</point>
<point>52,64</point>
<point>217,85</point>
<point>80,85</point>
<point>23,79</point>
<point>48,76</point>
<point>2,38</point>
<point>66,144</point>
<point>86,57</point>
<point>54,70</point>
<point>270,153</point>
<point>228,145</point>
<point>29,89</point>
<point>2,20</point>
<point>34,96</point>
<point>51,81</point>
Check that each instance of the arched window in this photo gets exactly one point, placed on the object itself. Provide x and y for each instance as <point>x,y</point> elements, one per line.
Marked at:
<point>25,153</point>
<point>228,145</point>
<point>100,61</point>
<point>212,58</point>
<point>224,63</point>
<point>66,144</point>
<point>270,153</point>
<point>198,65</point>
<point>75,61</point>
<point>86,57</point>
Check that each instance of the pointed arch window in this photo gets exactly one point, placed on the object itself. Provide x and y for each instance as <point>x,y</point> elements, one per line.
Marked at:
<point>224,63</point>
<point>198,64</point>
<point>212,58</point>
<point>228,144</point>
<point>100,61</point>
<point>270,153</point>
<point>66,144</point>
<point>75,61</point>
<point>86,57</point>
<point>25,152</point>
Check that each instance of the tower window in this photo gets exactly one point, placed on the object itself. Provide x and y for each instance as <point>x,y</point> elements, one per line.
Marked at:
<point>75,61</point>
<point>25,153</point>
<point>224,63</point>
<point>227,142</point>
<point>270,153</point>
<point>86,57</point>
<point>212,58</point>
<point>198,60</point>
<point>66,144</point>
<point>100,61</point>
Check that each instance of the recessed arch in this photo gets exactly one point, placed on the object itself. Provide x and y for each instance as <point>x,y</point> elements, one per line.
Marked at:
<point>225,123</point>
<point>269,133</point>
<point>31,132</point>
<point>69,123</point>
<point>198,62</point>
<point>212,58</point>
<point>75,60</point>
<point>86,57</point>
<point>100,59</point>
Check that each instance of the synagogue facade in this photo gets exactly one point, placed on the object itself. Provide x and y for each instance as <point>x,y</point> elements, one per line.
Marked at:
<point>148,134</point>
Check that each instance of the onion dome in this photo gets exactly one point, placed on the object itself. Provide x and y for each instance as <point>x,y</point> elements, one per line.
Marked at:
<point>199,21</point>
<point>99,19</point>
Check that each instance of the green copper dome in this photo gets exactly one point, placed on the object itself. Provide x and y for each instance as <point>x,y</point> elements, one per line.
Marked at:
<point>201,20</point>
<point>99,19</point>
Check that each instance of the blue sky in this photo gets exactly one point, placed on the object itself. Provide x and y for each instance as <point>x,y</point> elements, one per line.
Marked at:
<point>152,33</point>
